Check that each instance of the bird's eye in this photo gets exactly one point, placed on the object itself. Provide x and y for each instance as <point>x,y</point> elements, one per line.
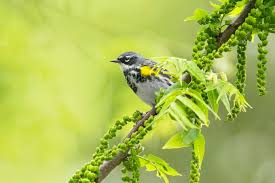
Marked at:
<point>126,59</point>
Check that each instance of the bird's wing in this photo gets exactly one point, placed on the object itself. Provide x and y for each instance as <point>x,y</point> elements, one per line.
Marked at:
<point>161,71</point>
<point>149,62</point>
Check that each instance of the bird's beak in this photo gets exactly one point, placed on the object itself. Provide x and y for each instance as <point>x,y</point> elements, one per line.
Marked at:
<point>115,61</point>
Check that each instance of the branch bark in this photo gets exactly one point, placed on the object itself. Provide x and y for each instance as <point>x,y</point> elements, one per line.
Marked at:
<point>108,166</point>
<point>225,35</point>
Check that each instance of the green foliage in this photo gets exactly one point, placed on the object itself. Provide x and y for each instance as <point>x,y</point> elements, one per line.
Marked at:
<point>131,165</point>
<point>179,99</point>
<point>178,66</point>
<point>194,169</point>
<point>154,163</point>
<point>189,103</point>
<point>199,148</point>
<point>241,65</point>
<point>182,139</point>
<point>91,170</point>
<point>265,20</point>
<point>198,14</point>
<point>176,141</point>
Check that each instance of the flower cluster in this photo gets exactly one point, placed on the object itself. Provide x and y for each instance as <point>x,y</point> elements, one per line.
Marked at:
<point>131,165</point>
<point>207,49</point>
<point>263,26</point>
<point>208,46</point>
<point>218,14</point>
<point>194,169</point>
<point>90,172</point>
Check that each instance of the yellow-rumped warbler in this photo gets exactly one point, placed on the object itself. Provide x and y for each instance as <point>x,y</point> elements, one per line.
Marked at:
<point>142,78</point>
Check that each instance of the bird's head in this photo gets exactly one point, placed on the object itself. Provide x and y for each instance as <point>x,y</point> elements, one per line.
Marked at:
<point>129,59</point>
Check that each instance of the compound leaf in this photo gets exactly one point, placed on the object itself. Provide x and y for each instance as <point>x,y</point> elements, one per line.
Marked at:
<point>212,97</point>
<point>199,148</point>
<point>182,116</point>
<point>197,15</point>
<point>152,162</point>
<point>195,108</point>
<point>191,136</point>
<point>176,141</point>
<point>195,71</point>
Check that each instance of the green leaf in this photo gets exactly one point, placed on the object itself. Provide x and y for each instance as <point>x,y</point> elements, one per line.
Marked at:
<point>224,99</point>
<point>212,86</point>
<point>225,92</point>
<point>163,176</point>
<point>145,163</point>
<point>160,163</point>
<point>222,89</point>
<point>214,5</point>
<point>196,95</point>
<point>176,141</point>
<point>195,71</point>
<point>169,97</point>
<point>175,116</point>
<point>270,3</point>
<point>191,136</point>
<point>199,148</point>
<point>212,97</point>
<point>182,116</point>
<point>272,30</point>
<point>182,139</point>
<point>238,8</point>
<point>152,163</point>
<point>197,15</point>
<point>175,86</point>
<point>272,23</point>
<point>195,108</point>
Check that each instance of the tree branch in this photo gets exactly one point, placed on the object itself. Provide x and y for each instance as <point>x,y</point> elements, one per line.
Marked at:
<point>108,166</point>
<point>225,35</point>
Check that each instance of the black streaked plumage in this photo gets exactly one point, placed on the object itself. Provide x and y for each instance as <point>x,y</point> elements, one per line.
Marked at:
<point>145,86</point>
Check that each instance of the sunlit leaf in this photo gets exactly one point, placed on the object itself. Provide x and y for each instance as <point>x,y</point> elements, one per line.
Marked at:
<point>191,136</point>
<point>214,5</point>
<point>223,90</point>
<point>194,107</point>
<point>175,116</point>
<point>199,148</point>
<point>176,141</point>
<point>196,95</point>
<point>163,176</point>
<point>224,99</point>
<point>152,162</point>
<point>169,97</point>
<point>212,97</point>
<point>167,169</point>
<point>197,15</point>
<point>195,71</point>
<point>236,11</point>
<point>179,111</point>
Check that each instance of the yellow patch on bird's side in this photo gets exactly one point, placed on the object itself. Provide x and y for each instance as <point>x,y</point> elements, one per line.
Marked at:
<point>147,71</point>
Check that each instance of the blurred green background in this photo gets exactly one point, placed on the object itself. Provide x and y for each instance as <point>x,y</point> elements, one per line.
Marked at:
<point>59,93</point>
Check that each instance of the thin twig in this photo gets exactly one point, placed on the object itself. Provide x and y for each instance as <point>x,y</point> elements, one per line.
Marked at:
<point>108,166</point>
<point>225,35</point>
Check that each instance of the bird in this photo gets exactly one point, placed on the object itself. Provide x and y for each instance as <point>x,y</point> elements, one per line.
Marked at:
<point>142,76</point>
